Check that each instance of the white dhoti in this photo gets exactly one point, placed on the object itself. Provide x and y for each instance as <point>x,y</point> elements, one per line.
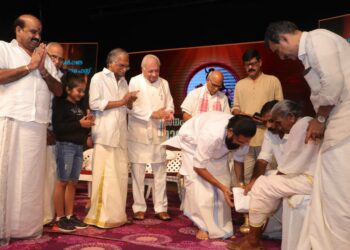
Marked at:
<point>22,168</point>
<point>49,184</point>
<point>327,223</point>
<point>205,204</point>
<point>273,228</point>
<point>109,187</point>
<point>268,191</point>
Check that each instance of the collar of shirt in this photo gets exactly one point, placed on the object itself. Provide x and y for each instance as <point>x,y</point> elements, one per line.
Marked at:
<point>302,44</point>
<point>109,73</point>
<point>14,43</point>
<point>153,84</point>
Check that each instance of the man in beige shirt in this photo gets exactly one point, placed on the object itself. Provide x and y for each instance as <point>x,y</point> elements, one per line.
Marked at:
<point>251,93</point>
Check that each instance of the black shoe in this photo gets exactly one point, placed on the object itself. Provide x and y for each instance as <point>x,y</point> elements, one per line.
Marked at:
<point>63,225</point>
<point>78,224</point>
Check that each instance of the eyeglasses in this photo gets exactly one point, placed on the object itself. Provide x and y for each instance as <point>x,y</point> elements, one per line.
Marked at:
<point>251,64</point>
<point>54,57</point>
<point>123,66</point>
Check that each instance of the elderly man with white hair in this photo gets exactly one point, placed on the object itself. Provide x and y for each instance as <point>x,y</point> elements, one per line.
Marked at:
<point>295,172</point>
<point>147,121</point>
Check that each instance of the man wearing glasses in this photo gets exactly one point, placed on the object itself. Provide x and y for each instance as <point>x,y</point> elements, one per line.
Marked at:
<point>55,51</point>
<point>206,98</point>
<point>251,93</point>
<point>109,99</point>
<point>147,130</point>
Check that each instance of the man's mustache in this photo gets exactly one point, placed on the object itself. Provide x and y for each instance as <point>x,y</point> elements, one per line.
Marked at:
<point>251,70</point>
<point>35,40</point>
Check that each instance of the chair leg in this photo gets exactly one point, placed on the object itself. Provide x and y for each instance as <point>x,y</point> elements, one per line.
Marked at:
<point>89,188</point>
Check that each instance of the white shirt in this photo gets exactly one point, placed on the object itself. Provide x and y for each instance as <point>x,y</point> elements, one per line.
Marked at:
<point>192,101</point>
<point>110,125</point>
<point>204,134</point>
<point>272,147</point>
<point>326,58</point>
<point>151,97</point>
<point>28,98</point>
<point>298,157</point>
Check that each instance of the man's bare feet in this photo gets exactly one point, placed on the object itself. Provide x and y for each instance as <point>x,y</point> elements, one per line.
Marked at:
<point>202,235</point>
<point>233,237</point>
<point>244,244</point>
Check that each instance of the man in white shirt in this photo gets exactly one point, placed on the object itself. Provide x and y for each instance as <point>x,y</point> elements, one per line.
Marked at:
<point>206,98</point>
<point>326,59</point>
<point>147,122</point>
<point>272,147</point>
<point>295,172</point>
<point>55,52</point>
<point>109,99</point>
<point>27,81</point>
<point>205,142</point>
<point>271,153</point>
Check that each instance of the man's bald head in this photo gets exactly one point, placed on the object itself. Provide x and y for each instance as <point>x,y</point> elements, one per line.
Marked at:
<point>215,81</point>
<point>216,76</point>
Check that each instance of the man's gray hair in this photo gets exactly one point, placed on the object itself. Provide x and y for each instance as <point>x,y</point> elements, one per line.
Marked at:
<point>147,57</point>
<point>113,54</point>
<point>54,44</point>
<point>286,107</point>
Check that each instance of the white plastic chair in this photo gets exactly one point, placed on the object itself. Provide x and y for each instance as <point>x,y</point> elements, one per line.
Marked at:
<point>86,170</point>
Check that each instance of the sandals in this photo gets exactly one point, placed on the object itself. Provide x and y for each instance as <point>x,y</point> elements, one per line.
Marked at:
<point>163,216</point>
<point>139,215</point>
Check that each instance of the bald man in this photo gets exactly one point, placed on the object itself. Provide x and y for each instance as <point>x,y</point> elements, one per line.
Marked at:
<point>27,81</point>
<point>206,98</point>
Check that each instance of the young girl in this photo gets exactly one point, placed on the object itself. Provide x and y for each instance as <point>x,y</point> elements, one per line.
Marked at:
<point>71,127</point>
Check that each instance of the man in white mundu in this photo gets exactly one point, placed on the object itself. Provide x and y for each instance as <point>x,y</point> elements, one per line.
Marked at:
<point>271,149</point>
<point>206,98</point>
<point>205,142</point>
<point>295,172</point>
<point>147,122</point>
<point>27,80</point>
<point>109,99</point>
<point>55,52</point>
<point>293,213</point>
<point>326,59</point>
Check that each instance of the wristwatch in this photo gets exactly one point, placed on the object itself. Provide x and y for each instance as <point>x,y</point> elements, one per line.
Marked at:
<point>321,119</point>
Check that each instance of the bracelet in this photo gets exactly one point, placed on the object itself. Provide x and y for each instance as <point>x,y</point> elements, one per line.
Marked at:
<point>27,68</point>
